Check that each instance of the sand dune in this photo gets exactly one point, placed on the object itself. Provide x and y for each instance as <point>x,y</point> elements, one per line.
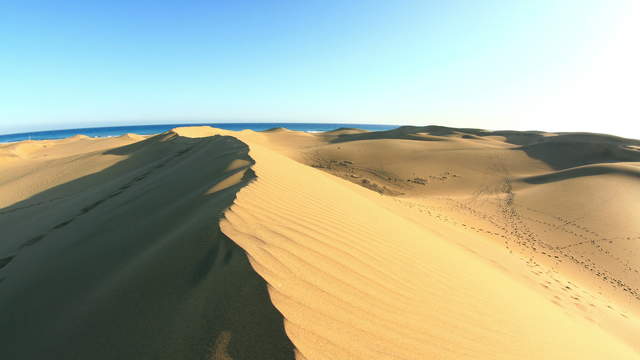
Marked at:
<point>128,262</point>
<point>354,280</point>
<point>413,243</point>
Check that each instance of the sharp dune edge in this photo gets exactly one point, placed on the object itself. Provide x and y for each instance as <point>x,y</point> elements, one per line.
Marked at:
<point>116,253</point>
<point>414,243</point>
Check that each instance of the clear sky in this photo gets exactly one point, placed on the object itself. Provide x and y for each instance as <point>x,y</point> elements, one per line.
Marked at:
<point>544,65</point>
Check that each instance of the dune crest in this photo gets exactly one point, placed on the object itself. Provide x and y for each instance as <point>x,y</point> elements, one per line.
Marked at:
<point>128,262</point>
<point>354,280</point>
<point>413,243</point>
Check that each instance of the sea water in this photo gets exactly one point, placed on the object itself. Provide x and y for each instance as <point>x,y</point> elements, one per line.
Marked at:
<point>157,129</point>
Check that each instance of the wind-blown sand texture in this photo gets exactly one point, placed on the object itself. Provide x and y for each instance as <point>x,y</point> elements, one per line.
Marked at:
<point>414,243</point>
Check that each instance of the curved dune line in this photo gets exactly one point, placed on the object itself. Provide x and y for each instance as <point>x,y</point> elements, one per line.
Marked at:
<point>356,281</point>
<point>116,253</point>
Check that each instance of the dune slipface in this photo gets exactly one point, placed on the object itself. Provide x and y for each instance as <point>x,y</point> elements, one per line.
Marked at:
<point>414,243</point>
<point>128,262</point>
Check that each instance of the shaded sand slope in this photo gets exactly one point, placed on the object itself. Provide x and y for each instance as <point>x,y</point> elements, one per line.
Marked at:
<point>128,262</point>
<point>357,281</point>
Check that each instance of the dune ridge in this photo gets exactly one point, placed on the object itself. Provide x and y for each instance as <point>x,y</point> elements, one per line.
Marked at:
<point>413,243</point>
<point>356,281</point>
<point>128,262</point>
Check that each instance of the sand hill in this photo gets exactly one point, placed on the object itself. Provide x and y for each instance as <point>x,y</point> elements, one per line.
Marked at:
<point>414,243</point>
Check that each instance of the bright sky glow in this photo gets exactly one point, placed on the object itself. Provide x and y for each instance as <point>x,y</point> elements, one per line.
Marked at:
<point>545,65</point>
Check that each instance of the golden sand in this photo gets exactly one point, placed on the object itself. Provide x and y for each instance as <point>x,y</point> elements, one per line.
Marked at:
<point>415,243</point>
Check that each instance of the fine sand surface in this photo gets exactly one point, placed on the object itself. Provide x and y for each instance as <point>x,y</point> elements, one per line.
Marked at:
<point>414,243</point>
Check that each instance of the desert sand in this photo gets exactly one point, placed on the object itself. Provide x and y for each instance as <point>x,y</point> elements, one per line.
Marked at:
<point>414,243</point>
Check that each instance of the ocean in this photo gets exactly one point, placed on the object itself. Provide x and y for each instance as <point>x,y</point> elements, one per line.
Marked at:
<point>157,129</point>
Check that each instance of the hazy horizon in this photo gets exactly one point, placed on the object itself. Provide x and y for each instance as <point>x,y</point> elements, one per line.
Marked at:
<point>347,124</point>
<point>548,66</point>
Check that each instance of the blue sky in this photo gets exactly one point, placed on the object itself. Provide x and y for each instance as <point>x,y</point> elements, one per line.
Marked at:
<point>548,65</point>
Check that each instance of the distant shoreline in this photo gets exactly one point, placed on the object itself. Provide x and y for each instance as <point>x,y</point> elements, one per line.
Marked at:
<point>110,131</point>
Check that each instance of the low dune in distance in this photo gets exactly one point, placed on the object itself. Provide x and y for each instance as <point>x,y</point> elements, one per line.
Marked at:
<point>413,243</point>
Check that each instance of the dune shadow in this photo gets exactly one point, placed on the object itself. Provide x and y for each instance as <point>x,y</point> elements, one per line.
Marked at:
<point>582,172</point>
<point>402,133</point>
<point>576,149</point>
<point>130,262</point>
<point>414,133</point>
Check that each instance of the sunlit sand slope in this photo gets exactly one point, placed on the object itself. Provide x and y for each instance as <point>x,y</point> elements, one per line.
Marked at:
<point>566,201</point>
<point>354,280</point>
